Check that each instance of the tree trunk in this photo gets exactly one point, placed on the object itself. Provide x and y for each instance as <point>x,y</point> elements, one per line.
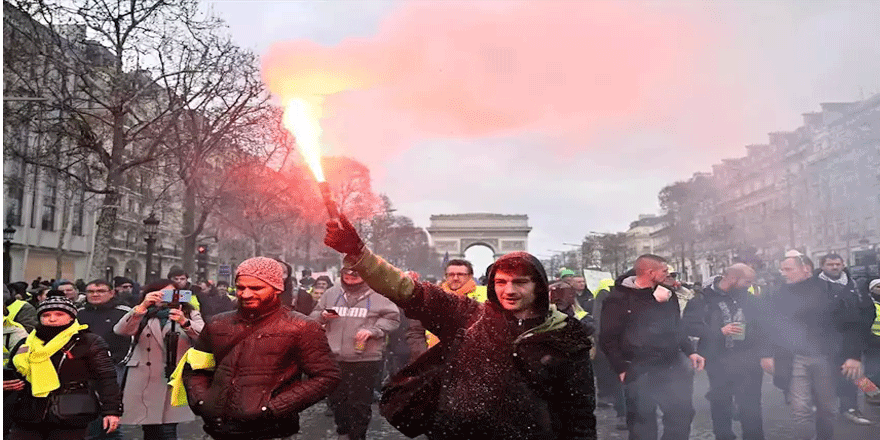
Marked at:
<point>308,262</point>
<point>258,247</point>
<point>104,228</point>
<point>189,227</point>
<point>66,207</point>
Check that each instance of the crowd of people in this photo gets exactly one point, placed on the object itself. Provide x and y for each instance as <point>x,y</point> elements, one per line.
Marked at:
<point>522,355</point>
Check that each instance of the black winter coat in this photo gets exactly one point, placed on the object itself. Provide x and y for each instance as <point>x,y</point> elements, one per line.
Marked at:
<point>101,320</point>
<point>87,364</point>
<point>507,379</point>
<point>810,318</point>
<point>213,302</point>
<point>639,330</point>
<point>256,390</point>
<point>703,319</point>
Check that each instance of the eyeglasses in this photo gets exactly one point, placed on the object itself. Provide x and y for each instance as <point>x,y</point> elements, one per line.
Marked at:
<point>458,274</point>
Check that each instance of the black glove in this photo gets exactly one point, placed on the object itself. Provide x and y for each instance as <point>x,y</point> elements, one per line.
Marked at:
<point>342,237</point>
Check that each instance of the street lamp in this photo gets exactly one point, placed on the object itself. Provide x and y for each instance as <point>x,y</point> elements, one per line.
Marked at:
<point>8,233</point>
<point>151,224</point>
<point>159,251</point>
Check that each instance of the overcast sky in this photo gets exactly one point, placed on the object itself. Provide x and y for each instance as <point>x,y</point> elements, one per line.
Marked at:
<point>575,113</point>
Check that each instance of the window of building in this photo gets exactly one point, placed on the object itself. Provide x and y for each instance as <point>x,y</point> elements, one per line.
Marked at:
<point>15,192</point>
<point>79,212</point>
<point>50,194</point>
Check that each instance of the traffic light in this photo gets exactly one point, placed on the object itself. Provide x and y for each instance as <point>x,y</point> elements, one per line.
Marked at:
<point>202,260</point>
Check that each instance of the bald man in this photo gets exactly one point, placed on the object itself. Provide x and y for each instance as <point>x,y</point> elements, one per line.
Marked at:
<point>643,338</point>
<point>725,318</point>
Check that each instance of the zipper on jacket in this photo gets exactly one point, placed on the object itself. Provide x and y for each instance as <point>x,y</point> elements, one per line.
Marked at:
<point>58,372</point>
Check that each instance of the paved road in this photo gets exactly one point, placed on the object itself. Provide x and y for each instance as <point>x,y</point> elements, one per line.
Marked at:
<point>315,425</point>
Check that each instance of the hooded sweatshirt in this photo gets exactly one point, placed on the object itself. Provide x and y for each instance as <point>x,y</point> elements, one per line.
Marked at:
<point>358,307</point>
<point>506,377</point>
<point>639,330</point>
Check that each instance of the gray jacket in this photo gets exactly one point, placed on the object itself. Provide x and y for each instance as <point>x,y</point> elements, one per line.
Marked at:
<point>361,308</point>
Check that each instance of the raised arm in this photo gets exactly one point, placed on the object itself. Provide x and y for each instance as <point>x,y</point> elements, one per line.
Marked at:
<point>439,311</point>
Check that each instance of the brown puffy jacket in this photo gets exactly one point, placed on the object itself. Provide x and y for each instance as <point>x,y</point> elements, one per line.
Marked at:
<point>257,390</point>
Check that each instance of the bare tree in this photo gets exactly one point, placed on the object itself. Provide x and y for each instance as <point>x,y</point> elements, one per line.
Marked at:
<point>114,80</point>
<point>682,204</point>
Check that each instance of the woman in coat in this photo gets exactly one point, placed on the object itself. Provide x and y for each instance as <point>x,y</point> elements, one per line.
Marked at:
<point>60,357</point>
<point>146,393</point>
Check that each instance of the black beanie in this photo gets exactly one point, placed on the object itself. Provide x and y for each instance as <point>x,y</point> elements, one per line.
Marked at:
<point>53,302</point>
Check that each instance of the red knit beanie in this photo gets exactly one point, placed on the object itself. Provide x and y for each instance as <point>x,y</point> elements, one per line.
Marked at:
<point>263,268</point>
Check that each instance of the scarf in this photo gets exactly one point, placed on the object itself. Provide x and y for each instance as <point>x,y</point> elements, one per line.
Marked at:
<point>46,333</point>
<point>36,364</point>
<point>160,313</point>
<point>843,280</point>
<point>468,287</point>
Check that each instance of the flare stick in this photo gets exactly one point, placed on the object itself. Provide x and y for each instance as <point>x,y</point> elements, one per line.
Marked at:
<point>328,200</point>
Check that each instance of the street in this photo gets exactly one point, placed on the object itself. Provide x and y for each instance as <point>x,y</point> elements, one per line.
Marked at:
<point>315,425</point>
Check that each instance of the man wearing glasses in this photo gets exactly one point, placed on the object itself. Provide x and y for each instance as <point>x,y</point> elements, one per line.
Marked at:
<point>459,279</point>
<point>125,291</point>
<point>101,312</point>
<point>810,327</point>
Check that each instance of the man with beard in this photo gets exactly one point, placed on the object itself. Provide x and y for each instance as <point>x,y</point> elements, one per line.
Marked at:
<point>517,370</point>
<point>124,288</point>
<point>357,322</point>
<point>725,319</point>
<point>244,375</point>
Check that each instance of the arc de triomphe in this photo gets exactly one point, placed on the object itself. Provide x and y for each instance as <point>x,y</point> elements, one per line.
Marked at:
<point>503,233</point>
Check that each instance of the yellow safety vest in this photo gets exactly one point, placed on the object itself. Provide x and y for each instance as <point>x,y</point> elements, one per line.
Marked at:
<point>875,329</point>
<point>193,301</point>
<point>579,312</point>
<point>14,308</point>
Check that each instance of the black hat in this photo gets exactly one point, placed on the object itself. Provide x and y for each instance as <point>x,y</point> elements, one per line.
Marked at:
<point>54,301</point>
<point>118,281</point>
